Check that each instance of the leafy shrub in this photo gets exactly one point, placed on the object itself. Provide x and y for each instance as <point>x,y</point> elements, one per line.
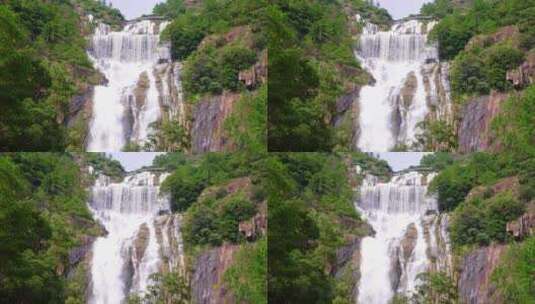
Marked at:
<point>468,75</point>
<point>438,9</point>
<point>213,221</point>
<point>184,186</point>
<point>455,181</point>
<point>185,34</point>
<point>247,276</point>
<point>514,276</point>
<point>214,70</point>
<point>437,161</point>
<point>481,221</point>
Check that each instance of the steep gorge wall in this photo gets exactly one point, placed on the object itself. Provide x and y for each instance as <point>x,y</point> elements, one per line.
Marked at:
<point>208,116</point>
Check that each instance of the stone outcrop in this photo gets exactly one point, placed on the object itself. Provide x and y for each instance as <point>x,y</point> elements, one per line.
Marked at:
<point>475,284</point>
<point>255,75</point>
<point>255,227</point>
<point>524,75</point>
<point>208,128</point>
<point>505,33</point>
<point>475,132</point>
<point>207,282</point>
<point>171,244</point>
<point>506,184</point>
<point>524,226</point>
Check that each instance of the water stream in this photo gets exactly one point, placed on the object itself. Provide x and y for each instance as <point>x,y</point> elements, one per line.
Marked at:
<point>138,242</point>
<point>399,251</point>
<point>391,108</point>
<point>136,67</point>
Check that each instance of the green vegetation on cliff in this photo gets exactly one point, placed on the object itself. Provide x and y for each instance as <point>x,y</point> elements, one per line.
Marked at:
<point>216,192</point>
<point>43,216</point>
<point>43,65</point>
<point>499,32</point>
<point>514,276</point>
<point>311,65</point>
<point>216,41</point>
<point>311,217</point>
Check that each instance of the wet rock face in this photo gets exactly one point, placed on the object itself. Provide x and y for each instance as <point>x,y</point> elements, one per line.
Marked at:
<point>170,242</point>
<point>437,238</point>
<point>475,127</point>
<point>348,259</point>
<point>475,286</point>
<point>524,75</point>
<point>208,128</point>
<point>134,103</point>
<point>409,242</point>
<point>207,283</point>
<point>140,244</point>
<point>401,105</point>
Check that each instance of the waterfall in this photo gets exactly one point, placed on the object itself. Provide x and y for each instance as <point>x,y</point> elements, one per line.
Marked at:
<point>140,81</point>
<point>132,250</point>
<point>391,108</point>
<point>401,247</point>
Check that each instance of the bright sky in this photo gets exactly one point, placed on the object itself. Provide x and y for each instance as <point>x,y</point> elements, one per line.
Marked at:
<point>134,160</point>
<point>402,8</point>
<point>134,8</point>
<point>399,161</point>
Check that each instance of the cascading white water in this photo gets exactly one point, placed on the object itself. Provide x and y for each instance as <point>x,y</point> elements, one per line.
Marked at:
<point>393,209</point>
<point>124,108</point>
<point>129,212</point>
<point>391,108</point>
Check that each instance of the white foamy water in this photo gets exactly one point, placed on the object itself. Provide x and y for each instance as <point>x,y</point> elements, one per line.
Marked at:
<point>123,208</point>
<point>390,208</point>
<point>391,56</point>
<point>118,116</point>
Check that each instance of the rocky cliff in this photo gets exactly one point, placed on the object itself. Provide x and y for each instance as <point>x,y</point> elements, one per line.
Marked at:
<point>475,284</point>
<point>475,133</point>
<point>208,132</point>
<point>207,285</point>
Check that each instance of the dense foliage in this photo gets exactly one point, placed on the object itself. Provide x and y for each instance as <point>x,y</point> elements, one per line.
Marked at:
<point>215,193</point>
<point>481,221</point>
<point>311,64</point>
<point>437,9</point>
<point>250,267</point>
<point>105,164</point>
<point>514,277</point>
<point>482,17</point>
<point>216,41</point>
<point>43,64</point>
<point>310,215</point>
<point>481,70</point>
<point>437,161</point>
<point>43,215</point>
<point>214,66</point>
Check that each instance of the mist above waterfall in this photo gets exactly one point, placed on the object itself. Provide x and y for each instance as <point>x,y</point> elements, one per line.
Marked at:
<point>392,107</point>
